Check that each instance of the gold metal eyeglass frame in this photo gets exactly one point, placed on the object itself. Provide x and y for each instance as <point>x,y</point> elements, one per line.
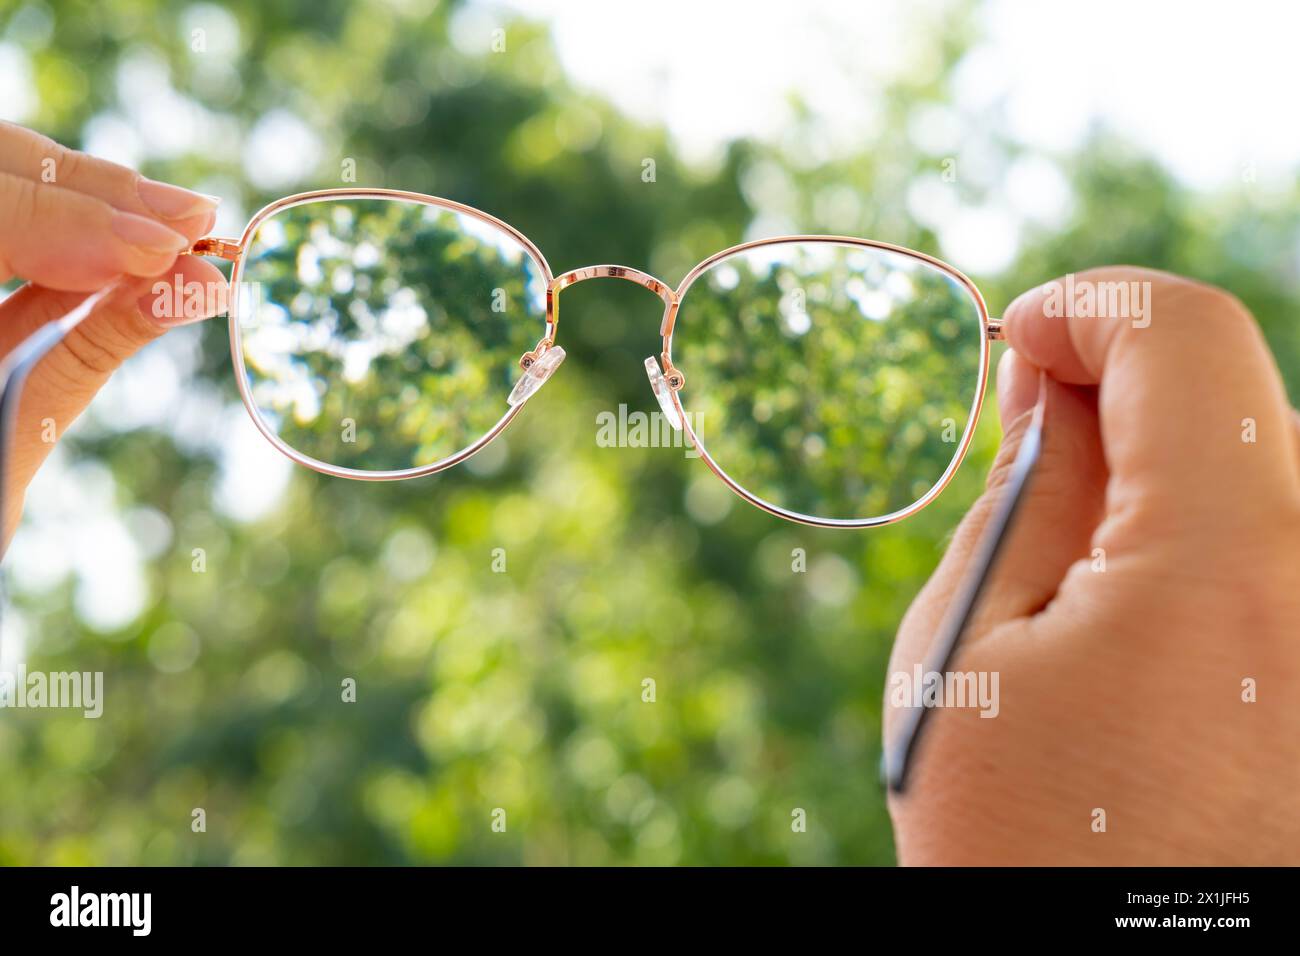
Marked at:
<point>675,379</point>
<point>18,364</point>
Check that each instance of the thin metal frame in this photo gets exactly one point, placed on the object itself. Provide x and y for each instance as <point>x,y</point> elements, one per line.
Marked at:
<point>986,332</point>
<point>17,365</point>
<point>237,250</point>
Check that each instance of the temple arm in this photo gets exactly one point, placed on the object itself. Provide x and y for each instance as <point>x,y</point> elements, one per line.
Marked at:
<point>17,365</point>
<point>898,750</point>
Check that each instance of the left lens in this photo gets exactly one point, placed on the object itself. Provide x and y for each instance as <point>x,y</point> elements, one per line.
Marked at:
<point>384,334</point>
<point>830,380</point>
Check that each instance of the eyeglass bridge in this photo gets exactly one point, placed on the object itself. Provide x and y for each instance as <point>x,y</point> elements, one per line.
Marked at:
<point>664,380</point>
<point>616,272</point>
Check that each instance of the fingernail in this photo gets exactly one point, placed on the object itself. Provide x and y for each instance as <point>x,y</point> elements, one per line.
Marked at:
<point>173,202</point>
<point>147,235</point>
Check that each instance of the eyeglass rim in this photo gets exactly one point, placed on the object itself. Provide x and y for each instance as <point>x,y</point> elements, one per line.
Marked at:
<point>972,419</point>
<point>236,341</point>
<point>238,251</point>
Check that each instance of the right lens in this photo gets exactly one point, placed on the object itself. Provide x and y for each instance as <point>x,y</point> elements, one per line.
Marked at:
<point>384,334</point>
<point>829,379</point>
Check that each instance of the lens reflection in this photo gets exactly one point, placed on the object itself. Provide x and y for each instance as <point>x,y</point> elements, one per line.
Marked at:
<point>383,334</point>
<point>829,379</point>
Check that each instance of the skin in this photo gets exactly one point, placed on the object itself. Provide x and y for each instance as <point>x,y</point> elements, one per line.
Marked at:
<point>1122,689</point>
<point>71,224</point>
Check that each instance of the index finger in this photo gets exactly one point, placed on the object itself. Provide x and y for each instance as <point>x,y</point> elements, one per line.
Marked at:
<point>1195,422</point>
<point>66,240</point>
<point>40,159</point>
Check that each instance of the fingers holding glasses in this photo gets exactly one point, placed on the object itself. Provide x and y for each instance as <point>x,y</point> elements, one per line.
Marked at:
<point>62,239</point>
<point>71,224</point>
<point>1193,415</point>
<point>147,307</point>
<point>1152,432</point>
<point>1166,422</point>
<point>29,155</point>
<point>74,222</point>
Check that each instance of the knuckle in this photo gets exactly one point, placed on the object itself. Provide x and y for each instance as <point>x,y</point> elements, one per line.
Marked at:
<point>22,203</point>
<point>36,148</point>
<point>1000,472</point>
<point>68,162</point>
<point>95,349</point>
<point>89,354</point>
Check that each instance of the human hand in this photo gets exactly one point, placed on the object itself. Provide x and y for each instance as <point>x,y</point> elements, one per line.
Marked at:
<point>71,224</point>
<point>1150,583</point>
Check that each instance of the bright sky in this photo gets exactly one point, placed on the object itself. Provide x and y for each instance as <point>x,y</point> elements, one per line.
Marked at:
<point>1206,85</point>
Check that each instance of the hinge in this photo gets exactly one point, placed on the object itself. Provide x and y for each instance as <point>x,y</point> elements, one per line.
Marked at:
<point>221,248</point>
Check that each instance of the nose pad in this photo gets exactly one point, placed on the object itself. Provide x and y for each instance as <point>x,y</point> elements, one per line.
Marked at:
<point>535,375</point>
<point>659,385</point>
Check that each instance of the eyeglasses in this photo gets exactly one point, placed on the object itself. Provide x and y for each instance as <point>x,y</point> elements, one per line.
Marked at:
<point>382,335</point>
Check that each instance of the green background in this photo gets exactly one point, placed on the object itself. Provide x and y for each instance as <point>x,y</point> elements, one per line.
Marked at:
<point>520,690</point>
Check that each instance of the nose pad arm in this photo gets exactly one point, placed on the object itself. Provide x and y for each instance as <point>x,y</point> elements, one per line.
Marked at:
<point>536,374</point>
<point>659,385</point>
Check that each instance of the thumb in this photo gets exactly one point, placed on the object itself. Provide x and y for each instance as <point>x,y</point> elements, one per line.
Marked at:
<point>1065,499</point>
<point>63,383</point>
<point>1192,410</point>
<point>1053,526</point>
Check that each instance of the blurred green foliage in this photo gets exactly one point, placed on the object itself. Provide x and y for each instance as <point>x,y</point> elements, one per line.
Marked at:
<point>520,690</point>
